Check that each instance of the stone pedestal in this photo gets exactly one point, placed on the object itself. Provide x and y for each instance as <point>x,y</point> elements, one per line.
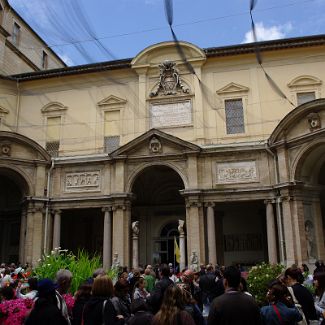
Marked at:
<point>107,238</point>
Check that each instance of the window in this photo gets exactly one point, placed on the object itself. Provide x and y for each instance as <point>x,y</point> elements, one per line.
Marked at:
<point>16,34</point>
<point>53,135</point>
<point>234,116</point>
<point>111,130</point>
<point>305,97</point>
<point>44,60</point>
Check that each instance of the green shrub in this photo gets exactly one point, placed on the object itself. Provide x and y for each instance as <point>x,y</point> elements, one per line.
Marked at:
<point>82,266</point>
<point>259,278</point>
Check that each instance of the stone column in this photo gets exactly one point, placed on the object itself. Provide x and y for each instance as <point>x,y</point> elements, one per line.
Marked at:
<point>211,231</point>
<point>107,238</point>
<point>271,233</point>
<point>29,234</point>
<point>57,229</point>
<point>288,231</point>
<point>319,232</point>
<point>182,262</point>
<point>38,233</point>
<point>23,226</point>
<point>135,244</point>
<point>121,232</point>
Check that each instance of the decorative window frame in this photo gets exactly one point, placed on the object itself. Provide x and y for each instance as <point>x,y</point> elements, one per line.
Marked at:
<point>304,84</point>
<point>233,91</point>
<point>111,103</point>
<point>54,109</point>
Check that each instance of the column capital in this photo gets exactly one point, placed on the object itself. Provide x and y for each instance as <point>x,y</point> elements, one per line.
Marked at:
<point>193,204</point>
<point>56,211</point>
<point>209,204</point>
<point>286,198</point>
<point>269,201</point>
<point>106,209</point>
<point>119,207</point>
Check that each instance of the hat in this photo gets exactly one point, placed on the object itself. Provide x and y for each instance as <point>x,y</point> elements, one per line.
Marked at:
<point>45,287</point>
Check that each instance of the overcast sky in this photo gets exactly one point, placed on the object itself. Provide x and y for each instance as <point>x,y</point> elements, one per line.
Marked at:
<point>90,31</point>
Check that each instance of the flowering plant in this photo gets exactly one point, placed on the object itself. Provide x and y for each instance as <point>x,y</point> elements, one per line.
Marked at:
<point>259,277</point>
<point>69,300</point>
<point>14,312</point>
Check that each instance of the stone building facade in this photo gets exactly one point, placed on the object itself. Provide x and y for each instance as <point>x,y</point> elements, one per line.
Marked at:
<point>122,157</point>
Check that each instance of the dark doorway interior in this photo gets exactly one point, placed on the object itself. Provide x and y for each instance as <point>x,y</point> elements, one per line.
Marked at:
<point>82,229</point>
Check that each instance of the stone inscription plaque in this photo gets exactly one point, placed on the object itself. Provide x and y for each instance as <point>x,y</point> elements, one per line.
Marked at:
<point>171,114</point>
<point>236,172</point>
<point>80,182</point>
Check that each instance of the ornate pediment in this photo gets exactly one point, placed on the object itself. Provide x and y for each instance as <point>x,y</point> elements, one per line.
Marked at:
<point>170,82</point>
<point>53,107</point>
<point>3,111</point>
<point>303,81</point>
<point>153,143</point>
<point>111,101</point>
<point>232,88</point>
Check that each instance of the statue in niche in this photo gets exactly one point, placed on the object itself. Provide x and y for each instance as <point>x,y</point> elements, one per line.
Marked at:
<point>181,227</point>
<point>309,233</point>
<point>155,145</point>
<point>169,80</point>
<point>135,228</point>
<point>116,261</point>
<point>194,266</point>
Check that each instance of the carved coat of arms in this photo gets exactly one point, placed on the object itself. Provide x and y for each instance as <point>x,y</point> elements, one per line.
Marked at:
<point>169,80</point>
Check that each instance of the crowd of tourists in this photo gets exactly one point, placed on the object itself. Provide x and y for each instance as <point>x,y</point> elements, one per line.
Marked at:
<point>161,296</point>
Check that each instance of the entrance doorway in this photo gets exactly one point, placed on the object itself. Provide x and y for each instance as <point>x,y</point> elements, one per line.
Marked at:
<point>158,206</point>
<point>11,196</point>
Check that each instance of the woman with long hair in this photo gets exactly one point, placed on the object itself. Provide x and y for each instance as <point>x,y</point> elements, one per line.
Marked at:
<point>99,309</point>
<point>172,309</point>
<point>319,283</point>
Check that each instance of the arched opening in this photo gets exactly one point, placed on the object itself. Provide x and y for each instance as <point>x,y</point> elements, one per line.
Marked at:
<point>158,206</point>
<point>311,171</point>
<point>12,191</point>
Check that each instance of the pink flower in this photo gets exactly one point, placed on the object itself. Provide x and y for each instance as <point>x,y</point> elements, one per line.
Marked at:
<point>14,312</point>
<point>69,300</point>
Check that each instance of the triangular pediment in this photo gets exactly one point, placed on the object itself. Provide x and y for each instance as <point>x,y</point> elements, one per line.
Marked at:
<point>3,110</point>
<point>303,81</point>
<point>53,107</point>
<point>232,88</point>
<point>112,100</point>
<point>155,143</point>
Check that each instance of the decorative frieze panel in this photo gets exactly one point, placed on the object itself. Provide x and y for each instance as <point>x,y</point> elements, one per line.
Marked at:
<point>82,182</point>
<point>237,172</point>
<point>171,114</point>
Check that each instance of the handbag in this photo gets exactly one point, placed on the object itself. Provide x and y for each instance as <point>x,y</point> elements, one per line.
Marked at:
<point>299,308</point>
<point>275,308</point>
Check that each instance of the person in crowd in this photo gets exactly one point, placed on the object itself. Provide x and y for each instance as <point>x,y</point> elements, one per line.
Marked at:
<point>190,304</point>
<point>209,288</point>
<point>7,293</point>
<point>157,295</point>
<point>140,312</point>
<point>99,308</point>
<point>308,278</point>
<point>63,282</point>
<point>133,280</point>
<point>32,289</point>
<point>81,297</point>
<point>172,309</point>
<point>122,301</point>
<point>150,280</point>
<point>233,307</point>
<point>6,278</point>
<point>281,310</point>
<point>139,291</point>
<point>172,274</point>
<point>320,267</point>
<point>243,286</point>
<point>188,277</point>
<point>300,293</point>
<point>45,310</point>
<point>319,283</point>
<point>202,269</point>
